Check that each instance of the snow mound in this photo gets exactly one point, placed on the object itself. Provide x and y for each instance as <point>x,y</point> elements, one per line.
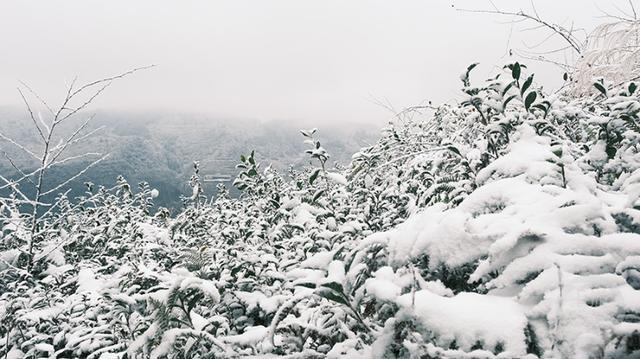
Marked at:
<point>469,318</point>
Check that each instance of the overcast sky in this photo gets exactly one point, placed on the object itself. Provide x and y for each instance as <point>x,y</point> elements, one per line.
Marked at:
<point>317,61</point>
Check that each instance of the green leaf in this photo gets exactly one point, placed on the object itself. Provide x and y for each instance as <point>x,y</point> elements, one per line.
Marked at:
<point>334,286</point>
<point>545,106</point>
<point>631,123</point>
<point>454,150</point>
<point>196,298</point>
<point>252,172</point>
<point>515,71</point>
<point>314,175</point>
<point>531,97</point>
<point>611,151</point>
<point>308,285</point>
<point>600,87</point>
<point>632,88</point>
<point>565,76</point>
<point>332,296</point>
<point>237,269</point>
<point>526,85</point>
<point>465,78</point>
<point>506,102</point>
<point>507,88</point>
<point>317,195</point>
<point>243,158</point>
<point>540,107</point>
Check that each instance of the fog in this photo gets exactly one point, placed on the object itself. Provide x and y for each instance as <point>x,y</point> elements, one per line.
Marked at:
<point>313,61</point>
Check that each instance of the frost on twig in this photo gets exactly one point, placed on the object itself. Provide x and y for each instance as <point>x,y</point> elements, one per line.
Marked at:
<point>32,186</point>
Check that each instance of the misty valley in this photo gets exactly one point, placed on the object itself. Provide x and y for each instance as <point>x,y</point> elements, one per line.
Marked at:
<point>160,149</point>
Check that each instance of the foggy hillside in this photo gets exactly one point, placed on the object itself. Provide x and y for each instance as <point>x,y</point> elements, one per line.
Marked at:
<point>160,148</point>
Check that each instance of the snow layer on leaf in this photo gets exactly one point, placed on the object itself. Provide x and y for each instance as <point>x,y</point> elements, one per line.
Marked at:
<point>470,317</point>
<point>337,178</point>
<point>530,155</point>
<point>87,281</point>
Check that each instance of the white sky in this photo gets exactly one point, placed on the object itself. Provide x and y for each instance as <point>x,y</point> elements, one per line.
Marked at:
<point>316,61</point>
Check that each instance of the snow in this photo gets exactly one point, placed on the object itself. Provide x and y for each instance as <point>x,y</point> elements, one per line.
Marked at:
<point>48,348</point>
<point>154,193</point>
<point>252,335</point>
<point>154,234</point>
<point>422,233</point>
<point>8,257</point>
<point>303,214</point>
<point>469,317</point>
<point>199,322</point>
<point>335,272</point>
<point>436,287</point>
<point>528,156</point>
<point>14,354</point>
<point>87,281</point>
<point>382,285</point>
<point>257,299</point>
<point>318,261</point>
<point>337,178</point>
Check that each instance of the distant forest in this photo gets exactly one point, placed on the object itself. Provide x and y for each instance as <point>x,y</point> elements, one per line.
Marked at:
<point>160,149</point>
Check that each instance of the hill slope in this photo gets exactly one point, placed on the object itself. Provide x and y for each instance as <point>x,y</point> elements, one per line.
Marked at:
<point>160,149</point>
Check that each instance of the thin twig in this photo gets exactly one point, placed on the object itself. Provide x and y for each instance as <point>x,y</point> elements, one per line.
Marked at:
<point>561,31</point>
<point>15,143</point>
<point>33,118</point>
<point>35,94</point>
<point>13,164</point>
<point>75,176</point>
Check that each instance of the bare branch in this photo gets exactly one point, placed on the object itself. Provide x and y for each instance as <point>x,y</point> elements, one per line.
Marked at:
<point>35,94</point>
<point>625,16</point>
<point>73,158</point>
<point>24,176</point>
<point>72,93</point>
<point>13,142</point>
<point>82,106</point>
<point>14,187</point>
<point>560,49</point>
<point>72,139</point>
<point>567,35</point>
<point>33,119</point>
<point>109,79</point>
<point>540,43</point>
<point>73,83</point>
<point>622,11</point>
<point>536,57</point>
<point>51,154</point>
<point>18,169</point>
<point>80,173</point>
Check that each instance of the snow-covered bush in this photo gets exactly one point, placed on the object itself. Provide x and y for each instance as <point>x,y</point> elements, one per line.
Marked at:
<point>612,53</point>
<point>503,226</point>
